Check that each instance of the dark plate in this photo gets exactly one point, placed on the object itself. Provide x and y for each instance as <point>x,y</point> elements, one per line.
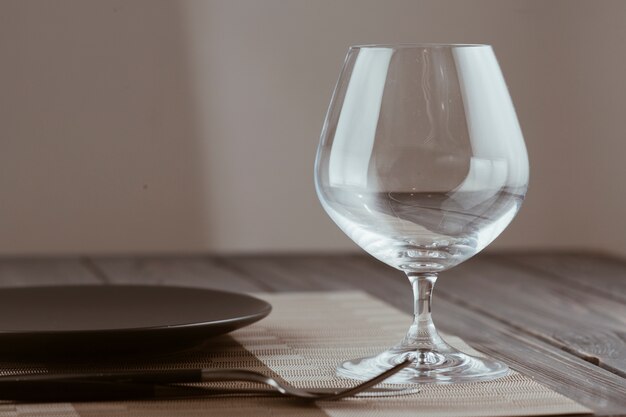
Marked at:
<point>87,320</point>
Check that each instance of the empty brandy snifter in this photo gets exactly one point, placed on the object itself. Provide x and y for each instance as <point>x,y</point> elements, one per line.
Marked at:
<point>422,163</point>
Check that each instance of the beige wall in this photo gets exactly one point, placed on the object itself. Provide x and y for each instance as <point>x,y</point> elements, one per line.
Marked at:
<point>138,126</point>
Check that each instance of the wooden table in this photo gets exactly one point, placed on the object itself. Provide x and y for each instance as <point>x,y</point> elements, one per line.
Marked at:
<point>559,318</point>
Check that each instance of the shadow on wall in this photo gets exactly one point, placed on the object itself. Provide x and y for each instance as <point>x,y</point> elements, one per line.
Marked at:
<point>99,141</point>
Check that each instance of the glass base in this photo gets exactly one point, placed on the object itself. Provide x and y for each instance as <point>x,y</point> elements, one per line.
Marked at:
<point>428,366</point>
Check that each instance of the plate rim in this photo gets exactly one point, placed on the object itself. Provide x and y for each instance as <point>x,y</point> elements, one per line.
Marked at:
<point>148,329</point>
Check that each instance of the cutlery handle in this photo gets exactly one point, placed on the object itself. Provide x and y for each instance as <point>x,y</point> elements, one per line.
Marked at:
<point>155,377</point>
<point>98,386</point>
<point>68,390</point>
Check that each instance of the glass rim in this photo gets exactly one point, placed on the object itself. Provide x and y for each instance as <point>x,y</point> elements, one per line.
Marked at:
<point>419,45</point>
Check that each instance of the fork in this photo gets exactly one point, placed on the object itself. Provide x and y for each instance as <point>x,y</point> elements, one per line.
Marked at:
<point>163,384</point>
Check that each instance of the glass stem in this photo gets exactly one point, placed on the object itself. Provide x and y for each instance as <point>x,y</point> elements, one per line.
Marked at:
<point>422,336</point>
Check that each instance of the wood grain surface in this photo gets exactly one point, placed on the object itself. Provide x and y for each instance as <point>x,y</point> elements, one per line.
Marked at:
<point>557,317</point>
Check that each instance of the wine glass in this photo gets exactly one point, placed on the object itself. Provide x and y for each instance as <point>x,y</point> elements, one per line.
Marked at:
<point>422,163</point>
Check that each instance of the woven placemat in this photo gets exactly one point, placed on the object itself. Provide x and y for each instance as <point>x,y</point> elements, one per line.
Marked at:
<point>302,341</point>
